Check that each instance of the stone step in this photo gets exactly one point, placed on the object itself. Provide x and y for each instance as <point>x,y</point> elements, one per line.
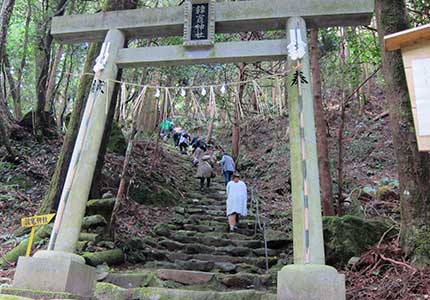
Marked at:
<point>209,259</point>
<point>221,223</point>
<point>204,266</point>
<point>216,241</point>
<point>216,228</point>
<point>234,236</point>
<point>203,201</point>
<point>197,248</point>
<point>190,279</point>
<point>107,291</point>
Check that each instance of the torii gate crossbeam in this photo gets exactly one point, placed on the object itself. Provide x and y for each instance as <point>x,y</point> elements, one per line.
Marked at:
<point>231,17</point>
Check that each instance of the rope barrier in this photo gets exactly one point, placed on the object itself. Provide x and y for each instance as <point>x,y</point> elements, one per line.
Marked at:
<point>193,87</point>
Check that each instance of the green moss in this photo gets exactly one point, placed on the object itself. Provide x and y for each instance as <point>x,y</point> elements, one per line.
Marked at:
<point>22,181</point>
<point>13,255</point>
<point>107,291</point>
<point>422,250</point>
<point>350,236</point>
<point>110,257</point>
<point>159,197</point>
<point>117,142</point>
<point>9,297</point>
<point>26,294</point>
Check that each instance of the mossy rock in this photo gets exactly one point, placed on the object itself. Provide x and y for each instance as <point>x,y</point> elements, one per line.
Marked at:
<point>10,297</point>
<point>94,222</point>
<point>117,141</point>
<point>112,257</point>
<point>421,254</point>
<point>26,294</point>
<point>102,207</point>
<point>162,230</point>
<point>278,239</point>
<point>350,236</point>
<point>160,196</point>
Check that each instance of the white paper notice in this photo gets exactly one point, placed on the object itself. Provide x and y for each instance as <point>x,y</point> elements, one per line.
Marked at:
<point>421,73</point>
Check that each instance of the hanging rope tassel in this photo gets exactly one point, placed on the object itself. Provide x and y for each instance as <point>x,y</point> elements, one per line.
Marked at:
<point>138,108</point>
<point>123,102</point>
<point>213,102</point>
<point>279,97</point>
<point>257,91</point>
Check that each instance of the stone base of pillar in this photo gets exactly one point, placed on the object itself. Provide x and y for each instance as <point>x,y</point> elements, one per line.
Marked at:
<point>310,282</point>
<point>55,272</point>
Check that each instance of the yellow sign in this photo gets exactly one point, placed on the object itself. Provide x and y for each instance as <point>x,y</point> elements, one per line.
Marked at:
<point>33,222</point>
<point>36,220</point>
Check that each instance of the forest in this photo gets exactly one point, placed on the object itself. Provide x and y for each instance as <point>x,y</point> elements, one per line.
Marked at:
<point>149,229</point>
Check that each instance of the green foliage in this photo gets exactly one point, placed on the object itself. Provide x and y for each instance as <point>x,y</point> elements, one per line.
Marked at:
<point>345,69</point>
<point>422,251</point>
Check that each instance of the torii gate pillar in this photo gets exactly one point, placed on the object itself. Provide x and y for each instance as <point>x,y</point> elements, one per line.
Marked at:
<point>59,269</point>
<point>309,278</point>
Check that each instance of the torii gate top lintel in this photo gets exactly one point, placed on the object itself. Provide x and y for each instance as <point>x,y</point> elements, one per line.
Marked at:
<point>231,17</point>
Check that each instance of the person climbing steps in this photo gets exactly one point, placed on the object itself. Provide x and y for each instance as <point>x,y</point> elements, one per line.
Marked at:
<point>205,172</point>
<point>237,198</point>
<point>228,167</point>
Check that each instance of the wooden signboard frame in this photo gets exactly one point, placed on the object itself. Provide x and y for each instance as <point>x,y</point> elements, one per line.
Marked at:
<point>415,46</point>
<point>188,24</point>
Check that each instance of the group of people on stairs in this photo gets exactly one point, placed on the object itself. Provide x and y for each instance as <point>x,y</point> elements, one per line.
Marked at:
<point>236,190</point>
<point>203,158</point>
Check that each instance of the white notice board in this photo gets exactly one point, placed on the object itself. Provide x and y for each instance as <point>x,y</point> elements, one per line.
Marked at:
<point>421,73</point>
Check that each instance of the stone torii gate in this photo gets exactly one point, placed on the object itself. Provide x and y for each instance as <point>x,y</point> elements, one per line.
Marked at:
<point>58,268</point>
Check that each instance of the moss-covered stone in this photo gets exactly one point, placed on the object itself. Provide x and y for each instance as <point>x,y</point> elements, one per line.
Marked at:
<point>90,237</point>
<point>110,257</point>
<point>10,297</point>
<point>25,294</point>
<point>102,207</point>
<point>12,256</point>
<point>94,222</point>
<point>160,196</point>
<point>422,251</point>
<point>117,141</point>
<point>162,230</point>
<point>350,236</point>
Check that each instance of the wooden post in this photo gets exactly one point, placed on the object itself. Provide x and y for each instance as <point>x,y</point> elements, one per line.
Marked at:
<point>307,220</point>
<point>76,189</point>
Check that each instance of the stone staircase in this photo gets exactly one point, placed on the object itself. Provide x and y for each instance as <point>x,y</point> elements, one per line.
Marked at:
<point>193,256</point>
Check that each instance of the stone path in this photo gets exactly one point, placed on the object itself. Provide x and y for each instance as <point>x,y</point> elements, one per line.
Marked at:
<point>195,252</point>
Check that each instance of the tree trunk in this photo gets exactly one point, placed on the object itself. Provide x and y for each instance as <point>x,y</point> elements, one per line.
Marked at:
<point>51,82</point>
<point>18,108</point>
<point>5,15</point>
<point>321,129</point>
<point>148,120</point>
<point>43,56</point>
<point>5,119</point>
<point>413,166</point>
<point>340,137</point>
<point>63,103</point>
<point>97,179</point>
<point>12,86</point>
<point>236,118</point>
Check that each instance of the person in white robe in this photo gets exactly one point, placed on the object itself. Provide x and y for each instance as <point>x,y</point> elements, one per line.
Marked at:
<point>237,198</point>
